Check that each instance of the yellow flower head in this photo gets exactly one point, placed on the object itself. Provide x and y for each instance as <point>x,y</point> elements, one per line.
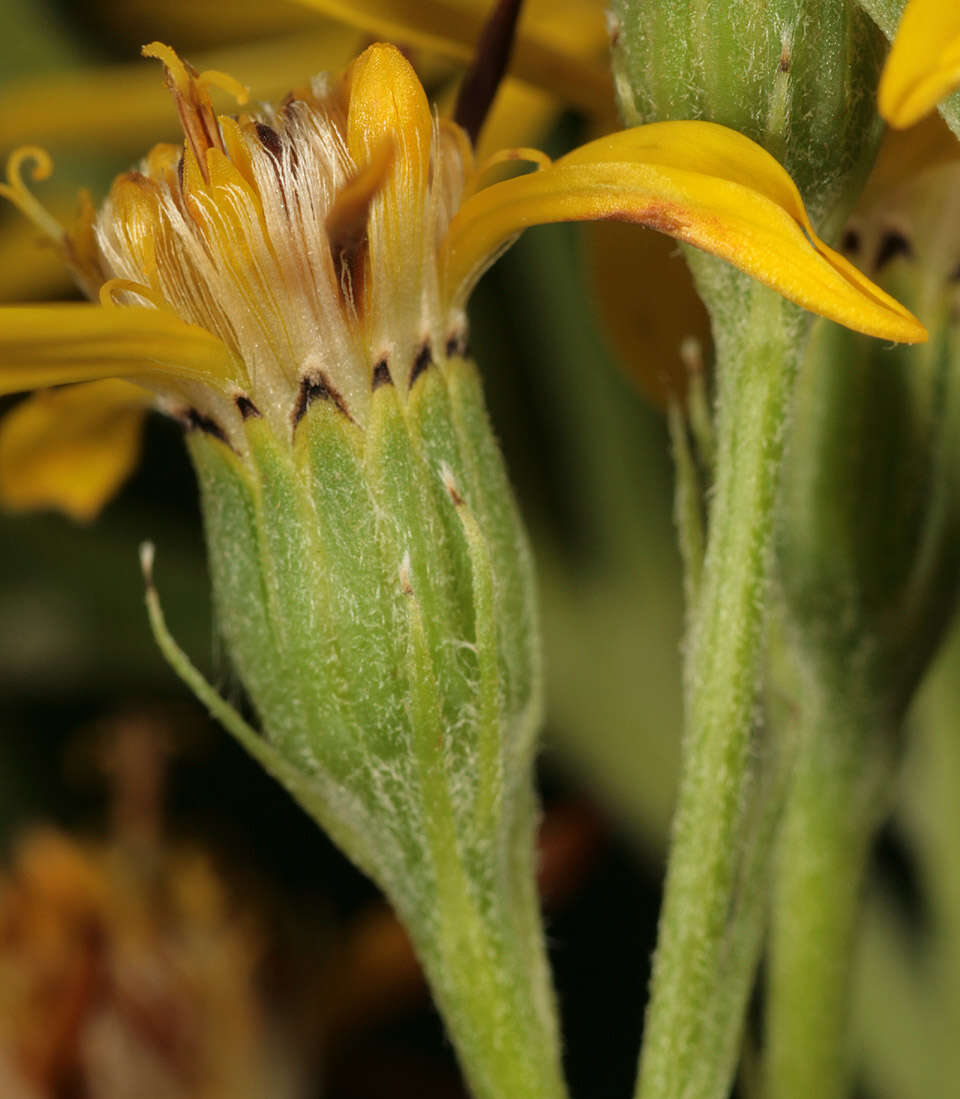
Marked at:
<point>306,239</point>
<point>330,244</point>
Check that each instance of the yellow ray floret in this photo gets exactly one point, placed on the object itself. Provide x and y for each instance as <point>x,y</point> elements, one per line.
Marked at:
<point>699,182</point>
<point>46,345</point>
<point>71,448</point>
<point>924,61</point>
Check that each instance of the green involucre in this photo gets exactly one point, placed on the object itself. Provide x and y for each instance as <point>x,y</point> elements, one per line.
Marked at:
<point>374,588</point>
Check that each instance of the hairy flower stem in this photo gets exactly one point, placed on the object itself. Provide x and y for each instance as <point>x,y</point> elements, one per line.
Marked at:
<point>716,822</point>
<point>829,820</point>
<point>487,970</point>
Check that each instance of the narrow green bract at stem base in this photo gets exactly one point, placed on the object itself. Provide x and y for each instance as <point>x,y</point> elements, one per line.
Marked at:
<point>374,588</point>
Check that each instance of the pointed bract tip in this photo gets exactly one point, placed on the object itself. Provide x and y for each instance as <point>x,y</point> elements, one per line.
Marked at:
<point>147,552</point>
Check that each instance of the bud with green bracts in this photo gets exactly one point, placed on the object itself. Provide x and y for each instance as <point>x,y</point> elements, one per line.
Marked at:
<point>374,589</point>
<point>869,562</point>
<point>797,76</point>
<point>869,541</point>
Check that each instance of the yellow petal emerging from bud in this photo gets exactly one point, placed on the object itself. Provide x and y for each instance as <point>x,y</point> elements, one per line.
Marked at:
<point>924,61</point>
<point>700,183</point>
<point>388,114</point>
<point>71,448</point>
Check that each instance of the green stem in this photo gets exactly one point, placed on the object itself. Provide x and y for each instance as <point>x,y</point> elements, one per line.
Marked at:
<point>493,1010</point>
<point>757,338</point>
<point>830,818</point>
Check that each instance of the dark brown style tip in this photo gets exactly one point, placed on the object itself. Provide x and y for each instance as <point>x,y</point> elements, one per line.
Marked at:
<point>421,362</point>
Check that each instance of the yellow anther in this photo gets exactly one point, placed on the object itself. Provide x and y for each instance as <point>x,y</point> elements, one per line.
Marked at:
<point>17,192</point>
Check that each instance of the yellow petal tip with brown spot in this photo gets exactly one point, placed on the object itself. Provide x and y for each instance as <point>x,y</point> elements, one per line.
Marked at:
<point>701,183</point>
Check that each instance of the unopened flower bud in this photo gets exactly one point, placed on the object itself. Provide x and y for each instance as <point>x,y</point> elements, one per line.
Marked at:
<point>797,76</point>
<point>871,521</point>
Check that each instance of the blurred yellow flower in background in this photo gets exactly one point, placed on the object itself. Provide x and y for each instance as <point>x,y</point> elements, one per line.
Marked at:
<point>924,62</point>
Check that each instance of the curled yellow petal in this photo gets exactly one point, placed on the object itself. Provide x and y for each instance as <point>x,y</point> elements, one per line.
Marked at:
<point>71,449</point>
<point>924,61</point>
<point>698,182</point>
<point>47,345</point>
<point>486,170</point>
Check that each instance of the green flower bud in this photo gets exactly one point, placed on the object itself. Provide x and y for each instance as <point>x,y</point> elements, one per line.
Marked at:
<point>869,559</point>
<point>797,76</point>
<point>870,535</point>
<point>372,582</point>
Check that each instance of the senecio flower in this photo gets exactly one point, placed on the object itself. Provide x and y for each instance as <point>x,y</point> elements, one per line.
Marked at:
<point>333,242</point>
